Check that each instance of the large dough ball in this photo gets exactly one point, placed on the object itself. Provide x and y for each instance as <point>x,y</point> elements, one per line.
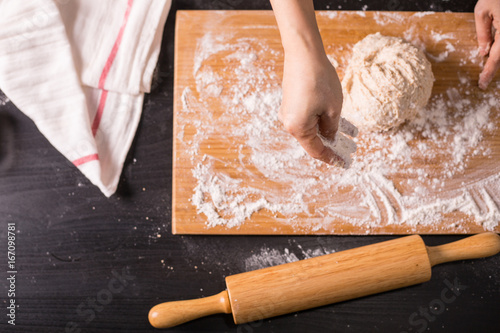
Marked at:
<point>386,82</point>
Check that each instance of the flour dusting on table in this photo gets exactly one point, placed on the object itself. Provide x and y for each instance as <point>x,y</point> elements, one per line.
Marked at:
<point>273,257</point>
<point>415,175</point>
<point>268,258</point>
<point>3,99</point>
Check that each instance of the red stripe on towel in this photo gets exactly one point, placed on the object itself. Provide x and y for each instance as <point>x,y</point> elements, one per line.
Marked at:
<point>106,69</point>
<point>100,110</point>
<point>116,46</point>
<point>85,159</point>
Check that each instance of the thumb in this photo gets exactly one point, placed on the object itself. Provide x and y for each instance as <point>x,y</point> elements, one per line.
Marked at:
<point>491,67</point>
<point>484,20</point>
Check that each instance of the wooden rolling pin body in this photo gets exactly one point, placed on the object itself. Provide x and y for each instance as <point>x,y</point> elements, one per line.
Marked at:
<point>326,279</point>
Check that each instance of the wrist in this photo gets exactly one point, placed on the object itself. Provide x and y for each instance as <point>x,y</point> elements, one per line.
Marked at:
<point>306,55</point>
<point>304,44</point>
<point>299,31</point>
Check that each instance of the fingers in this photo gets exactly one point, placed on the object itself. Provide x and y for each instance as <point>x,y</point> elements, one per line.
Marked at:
<point>486,17</point>
<point>319,136</point>
<point>315,147</point>
<point>342,146</point>
<point>312,144</point>
<point>328,125</point>
<point>347,127</point>
<point>484,21</point>
<point>492,65</point>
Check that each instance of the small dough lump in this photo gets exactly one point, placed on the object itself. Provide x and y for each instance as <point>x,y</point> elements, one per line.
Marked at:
<point>386,83</point>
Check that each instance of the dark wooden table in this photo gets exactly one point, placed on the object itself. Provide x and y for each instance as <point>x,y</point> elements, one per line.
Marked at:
<point>90,264</point>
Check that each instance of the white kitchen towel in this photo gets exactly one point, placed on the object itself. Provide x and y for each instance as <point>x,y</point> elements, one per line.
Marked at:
<point>79,69</point>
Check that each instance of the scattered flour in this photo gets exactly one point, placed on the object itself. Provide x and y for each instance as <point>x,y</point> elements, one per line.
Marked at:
<point>273,257</point>
<point>3,99</point>
<point>383,18</point>
<point>268,258</point>
<point>329,13</point>
<point>437,165</point>
<point>422,14</point>
<point>439,37</point>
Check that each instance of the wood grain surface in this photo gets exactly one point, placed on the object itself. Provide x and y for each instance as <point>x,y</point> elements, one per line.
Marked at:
<point>71,239</point>
<point>328,279</point>
<point>340,30</point>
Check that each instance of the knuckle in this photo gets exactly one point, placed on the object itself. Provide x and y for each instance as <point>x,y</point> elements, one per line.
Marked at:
<point>316,154</point>
<point>289,127</point>
<point>479,10</point>
<point>292,127</point>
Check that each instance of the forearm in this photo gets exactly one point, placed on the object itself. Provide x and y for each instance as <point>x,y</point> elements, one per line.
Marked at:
<point>298,28</point>
<point>312,94</point>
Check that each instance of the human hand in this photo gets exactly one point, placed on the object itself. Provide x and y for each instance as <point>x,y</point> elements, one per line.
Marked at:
<point>312,94</point>
<point>487,16</point>
<point>312,102</point>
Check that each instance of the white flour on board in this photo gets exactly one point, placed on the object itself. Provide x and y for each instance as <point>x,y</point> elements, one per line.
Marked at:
<point>406,177</point>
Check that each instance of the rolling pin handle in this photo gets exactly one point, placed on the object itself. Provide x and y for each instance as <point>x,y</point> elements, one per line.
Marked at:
<point>478,246</point>
<point>171,314</point>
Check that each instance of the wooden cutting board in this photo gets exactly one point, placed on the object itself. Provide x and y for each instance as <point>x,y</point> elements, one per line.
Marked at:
<point>235,171</point>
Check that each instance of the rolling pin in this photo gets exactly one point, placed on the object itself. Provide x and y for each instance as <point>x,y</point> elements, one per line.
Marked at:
<point>326,279</point>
